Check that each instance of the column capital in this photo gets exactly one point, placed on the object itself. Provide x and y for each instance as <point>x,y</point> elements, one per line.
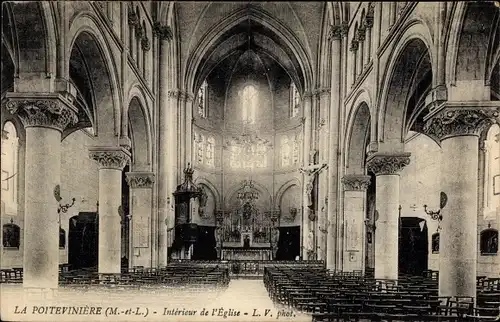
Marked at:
<point>321,91</point>
<point>51,110</point>
<point>181,95</point>
<point>110,157</point>
<point>140,179</point>
<point>388,163</point>
<point>361,33</point>
<point>356,182</point>
<point>354,45</point>
<point>335,32</point>
<point>451,120</point>
<point>145,43</point>
<point>161,31</point>
<point>344,30</point>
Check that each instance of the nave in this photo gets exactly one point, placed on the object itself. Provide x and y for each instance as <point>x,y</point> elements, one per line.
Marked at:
<point>284,291</point>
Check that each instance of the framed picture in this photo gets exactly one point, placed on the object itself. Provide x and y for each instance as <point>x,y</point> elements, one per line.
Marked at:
<point>496,185</point>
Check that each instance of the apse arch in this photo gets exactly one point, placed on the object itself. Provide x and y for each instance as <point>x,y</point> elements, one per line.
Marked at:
<point>103,70</point>
<point>414,41</point>
<point>195,60</point>
<point>213,189</point>
<point>281,191</point>
<point>140,130</point>
<point>238,186</point>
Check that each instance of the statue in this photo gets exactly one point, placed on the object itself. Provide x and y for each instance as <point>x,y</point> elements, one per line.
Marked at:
<point>310,241</point>
<point>275,236</point>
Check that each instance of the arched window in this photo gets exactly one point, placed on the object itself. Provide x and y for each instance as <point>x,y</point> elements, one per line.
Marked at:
<point>294,100</point>
<point>285,151</point>
<point>11,235</point>
<point>249,103</point>
<point>210,151</point>
<point>199,145</point>
<point>295,151</point>
<point>202,100</point>
<point>9,164</point>
<point>492,173</point>
<point>235,153</point>
<point>62,238</point>
<point>435,243</point>
<point>489,242</point>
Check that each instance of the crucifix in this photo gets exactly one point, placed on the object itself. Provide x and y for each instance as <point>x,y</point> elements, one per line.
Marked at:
<point>310,173</point>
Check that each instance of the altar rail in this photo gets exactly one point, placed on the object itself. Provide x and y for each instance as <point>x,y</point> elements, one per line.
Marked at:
<point>250,268</point>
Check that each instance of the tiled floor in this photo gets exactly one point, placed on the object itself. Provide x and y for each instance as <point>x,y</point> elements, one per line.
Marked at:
<point>242,300</point>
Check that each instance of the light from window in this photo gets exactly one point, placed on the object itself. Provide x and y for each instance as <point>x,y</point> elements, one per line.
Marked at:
<point>249,103</point>
<point>294,100</point>
<point>9,165</point>
<point>202,100</point>
<point>210,151</point>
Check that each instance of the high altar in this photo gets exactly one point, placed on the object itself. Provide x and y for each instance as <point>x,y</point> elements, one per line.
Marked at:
<point>247,232</point>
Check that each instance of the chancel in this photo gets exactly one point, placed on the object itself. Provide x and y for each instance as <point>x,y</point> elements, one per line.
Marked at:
<point>339,159</point>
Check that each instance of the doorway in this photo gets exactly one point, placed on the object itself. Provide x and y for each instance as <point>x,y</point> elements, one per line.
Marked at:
<point>83,245</point>
<point>205,244</point>
<point>413,246</point>
<point>288,243</point>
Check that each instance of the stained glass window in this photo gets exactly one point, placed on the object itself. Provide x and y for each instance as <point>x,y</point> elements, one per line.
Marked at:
<point>210,151</point>
<point>296,150</point>
<point>294,100</point>
<point>199,141</point>
<point>202,100</point>
<point>285,151</point>
<point>492,173</point>
<point>249,103</point>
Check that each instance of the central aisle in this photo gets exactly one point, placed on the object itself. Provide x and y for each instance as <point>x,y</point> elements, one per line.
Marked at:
<point>251,299</point>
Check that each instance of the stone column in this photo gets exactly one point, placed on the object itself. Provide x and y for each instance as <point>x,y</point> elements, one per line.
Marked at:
<point>333,122</point>
<point>305,196</point>
<point>354,49</point>
<point>458,128</point>
<point>141,184</point>
<point>361,51</point>
<point>355,187</point>
<point>111,162</point>
<point>165,142</point>
<point>44,117</point>
<point>387,167</point>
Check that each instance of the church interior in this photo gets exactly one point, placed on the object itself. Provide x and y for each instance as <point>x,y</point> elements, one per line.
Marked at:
<point>337,159</point>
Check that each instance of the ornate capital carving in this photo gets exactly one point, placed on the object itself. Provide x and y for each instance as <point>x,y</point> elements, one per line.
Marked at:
<point>140,179</point>
<point>133,19</point>
<point>321,91</point>
<point>52,111</point>
<point>355,182</point>
<point>164,32</point>
<point>387,164</point>
<point>361,33</point>
<point>145,44</point>
<point>110,157</point>
<point>344,30</point>
<point>139,32</point>
<point>335,32</point>
<point>450,121</point>
<point>354,45</point>
<point>180,95</point>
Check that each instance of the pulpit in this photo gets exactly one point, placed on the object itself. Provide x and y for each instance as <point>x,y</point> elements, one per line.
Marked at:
<point>186,204</point>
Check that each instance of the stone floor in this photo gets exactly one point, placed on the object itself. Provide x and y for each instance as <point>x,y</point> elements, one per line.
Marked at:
<point>242,300</point>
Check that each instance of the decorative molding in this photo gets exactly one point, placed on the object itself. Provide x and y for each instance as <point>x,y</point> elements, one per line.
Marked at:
<point>361,33</point>
<point>449,121</point>
<point>344,30</point>
<point>133,19</point>
<point>388,164</point>
<point>354,45</point>
<point>140,179</point>
<point>110,157</point>
<point>180,95</point>
<point>335,32</point>
<point>52,111</point>
<point>139,32</point>
<point>355,182</point>
<point>145,44</point>
<point>161,31</point>
<point>321,91</point>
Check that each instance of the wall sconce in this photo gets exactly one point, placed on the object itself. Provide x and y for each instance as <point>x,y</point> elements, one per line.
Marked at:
<point>61,207</point>
<point>436,215</point>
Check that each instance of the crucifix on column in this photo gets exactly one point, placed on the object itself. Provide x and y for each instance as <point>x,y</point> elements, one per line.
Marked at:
<point>310,173</point>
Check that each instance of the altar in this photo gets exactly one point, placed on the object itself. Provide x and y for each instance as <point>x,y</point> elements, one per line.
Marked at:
<point>251,253</point>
